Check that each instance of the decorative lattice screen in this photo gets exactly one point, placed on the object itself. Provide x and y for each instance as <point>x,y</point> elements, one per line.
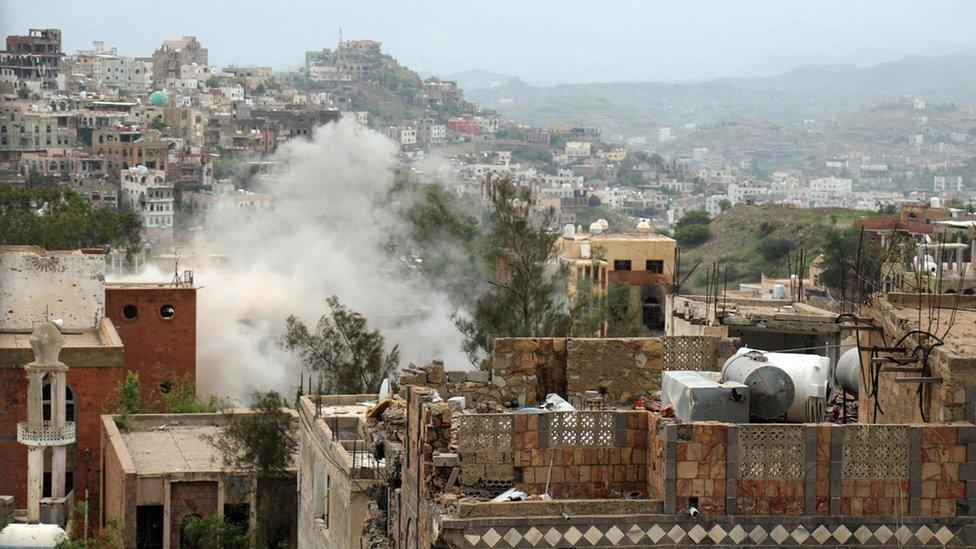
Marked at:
<point>771,451</point>
<point>485,432</point>
<point>688,353</point>
<point>582,428</point>
<point>875,452</point>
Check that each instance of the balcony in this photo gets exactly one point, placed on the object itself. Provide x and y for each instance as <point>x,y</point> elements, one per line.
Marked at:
<point>46,434</point>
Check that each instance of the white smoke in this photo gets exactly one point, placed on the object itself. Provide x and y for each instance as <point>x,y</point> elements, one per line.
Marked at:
<point>324,236</point>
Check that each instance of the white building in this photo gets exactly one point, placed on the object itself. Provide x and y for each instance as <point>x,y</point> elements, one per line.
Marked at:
<point>126,73</point>
<point>830,192</point>
<point>577,149</point>
<point>947,183</point>
<point>739,193</point>
<point>664,135</point>
<point>147,192</point>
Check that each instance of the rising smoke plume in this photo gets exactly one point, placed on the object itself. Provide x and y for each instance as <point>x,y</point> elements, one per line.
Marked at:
<point>325,235</point>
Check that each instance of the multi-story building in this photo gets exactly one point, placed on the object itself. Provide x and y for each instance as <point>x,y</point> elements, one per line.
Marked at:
<point>830,192</point>
<point>249,77</point>
<point>642,260</point>
<point>64,164</point>
<point>34,58</point>
<point>169,59</point>
<point>149,329</point>
<point>127,146</point>
<point>25,129</point>
<point>148,193</point>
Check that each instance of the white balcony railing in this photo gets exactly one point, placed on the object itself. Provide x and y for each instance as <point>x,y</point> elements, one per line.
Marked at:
<point>46,434</point>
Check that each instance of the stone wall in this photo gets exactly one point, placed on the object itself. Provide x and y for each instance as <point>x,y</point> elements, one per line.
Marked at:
<point>784,469</point>
<point>522,371</point>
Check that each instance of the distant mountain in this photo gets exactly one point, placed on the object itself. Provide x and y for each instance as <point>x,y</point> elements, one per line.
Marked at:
<point>478,79</point>
<point>806,92</point>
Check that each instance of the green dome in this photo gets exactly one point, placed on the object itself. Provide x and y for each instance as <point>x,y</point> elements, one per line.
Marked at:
<point>157,98</point>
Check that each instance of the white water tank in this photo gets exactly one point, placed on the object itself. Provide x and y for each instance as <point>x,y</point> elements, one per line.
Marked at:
<point>596,227</point>
<point>569,231</point>
<point>31,535</point>
<point>585,251</point>
<point>787,387</point>
<point>935,202</point>
<point>779,291</point>
<point>848,372</point>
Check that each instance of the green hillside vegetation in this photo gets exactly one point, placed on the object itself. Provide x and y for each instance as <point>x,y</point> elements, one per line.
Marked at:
<point>753,240</point>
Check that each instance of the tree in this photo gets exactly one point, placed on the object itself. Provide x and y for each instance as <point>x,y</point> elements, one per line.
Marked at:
<point>181,398</point>
<point>656,160</point>
<point>23,92</point>
<point>692,235</point>
<point>213,82</point>
<point>212,531</point>
<point>128,400</point>
<point>260,89</point>
<point>157,123</point>
<point>725,204</point>
<point>262,441</point>
<point>526,298</point>
<point>774,248</point>
<point>850,262</point>
<point>350,358</point>
<point>56,217</point>
<point>593,201</point>
<point>694,217</point>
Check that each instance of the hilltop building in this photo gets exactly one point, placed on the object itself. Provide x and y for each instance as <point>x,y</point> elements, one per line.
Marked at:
<point>33,60</point>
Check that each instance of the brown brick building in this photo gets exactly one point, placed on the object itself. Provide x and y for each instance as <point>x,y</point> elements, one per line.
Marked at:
<point>100,346</point>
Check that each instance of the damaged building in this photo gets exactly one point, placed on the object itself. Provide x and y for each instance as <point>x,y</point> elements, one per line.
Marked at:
<point>559,442</point>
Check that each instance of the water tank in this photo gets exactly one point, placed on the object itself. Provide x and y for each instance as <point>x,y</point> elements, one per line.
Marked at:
<point>848,372</point>
<point>643,227</point>
<point>782,386</point>
<point>935,202</point>
<point>604,223</point>
<point>569,231</point>
<point>585,251</point>
<point>31,535</point>
<point>596,227</point>
<point>779,291</point>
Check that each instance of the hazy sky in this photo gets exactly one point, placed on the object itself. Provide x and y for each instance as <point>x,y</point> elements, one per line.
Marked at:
<point>541,41</point>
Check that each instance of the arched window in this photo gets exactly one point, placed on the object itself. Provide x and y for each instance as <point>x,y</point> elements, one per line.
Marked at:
<point>69,402</point>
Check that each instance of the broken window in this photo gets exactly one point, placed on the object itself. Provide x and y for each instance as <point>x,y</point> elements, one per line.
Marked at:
<point>654,266</point>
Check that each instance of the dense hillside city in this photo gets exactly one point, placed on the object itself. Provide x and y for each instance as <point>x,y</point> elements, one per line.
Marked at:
<point>349,304</point>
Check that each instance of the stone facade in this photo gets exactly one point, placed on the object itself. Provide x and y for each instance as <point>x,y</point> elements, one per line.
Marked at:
<point>524,370</point>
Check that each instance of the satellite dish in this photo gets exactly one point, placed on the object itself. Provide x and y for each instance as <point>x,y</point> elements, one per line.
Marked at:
<point>384,390</point>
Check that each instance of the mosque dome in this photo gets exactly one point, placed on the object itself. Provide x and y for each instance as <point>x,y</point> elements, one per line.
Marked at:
<point>157,98</point>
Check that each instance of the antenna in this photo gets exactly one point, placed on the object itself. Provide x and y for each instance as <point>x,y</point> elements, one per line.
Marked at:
<point>177,281</point>
<point>340,37</point>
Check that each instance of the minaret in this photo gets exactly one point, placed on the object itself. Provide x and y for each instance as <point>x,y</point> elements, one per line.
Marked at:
<point>37,433</point>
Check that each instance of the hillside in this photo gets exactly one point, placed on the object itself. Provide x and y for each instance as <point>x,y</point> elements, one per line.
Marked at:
<point>809,92</point>
<point>742,235</point>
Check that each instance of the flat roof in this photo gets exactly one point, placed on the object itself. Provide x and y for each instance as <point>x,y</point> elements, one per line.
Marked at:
<point>174,449</point>
<point>99,347</point>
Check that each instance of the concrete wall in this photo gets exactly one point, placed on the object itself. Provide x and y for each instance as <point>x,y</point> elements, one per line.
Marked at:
<point>33,285</point>
<point>319,458</point>
<point>118,486</point>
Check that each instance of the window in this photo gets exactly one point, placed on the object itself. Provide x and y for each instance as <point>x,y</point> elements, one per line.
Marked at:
<point>130,312</point>
<point>654,265</point>
<point>621,264</point>
<point>167,312</point>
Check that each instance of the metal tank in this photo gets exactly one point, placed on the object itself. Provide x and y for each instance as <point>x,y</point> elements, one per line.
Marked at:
<point>771,390</point>
<point>788,387</point>
<point>848,372</point>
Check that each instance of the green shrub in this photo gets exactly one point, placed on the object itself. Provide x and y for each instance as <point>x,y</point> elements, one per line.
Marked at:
<point>692,235</point>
